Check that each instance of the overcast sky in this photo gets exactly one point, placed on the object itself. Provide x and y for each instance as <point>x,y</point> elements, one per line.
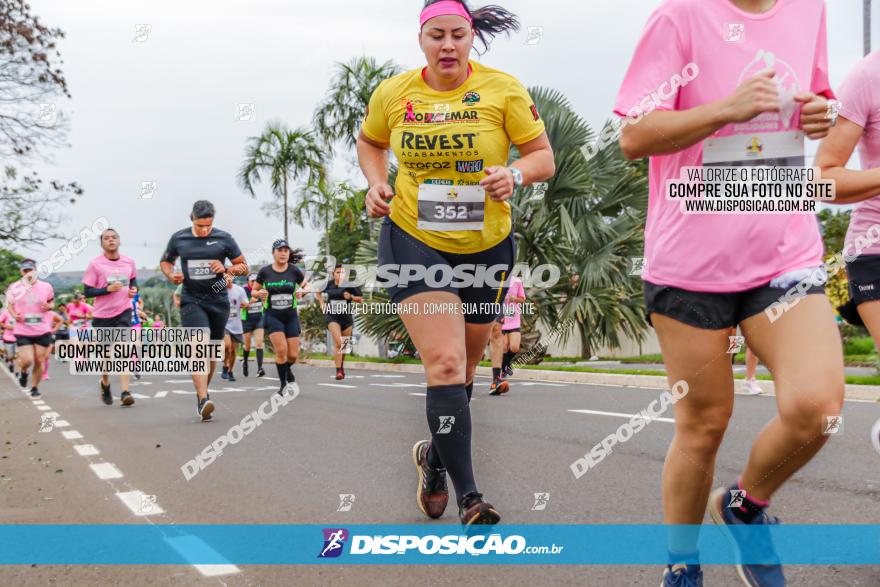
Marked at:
<point>165,109</point>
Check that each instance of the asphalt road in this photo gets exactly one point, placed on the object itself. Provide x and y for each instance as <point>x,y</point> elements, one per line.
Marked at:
<point>355,437</point>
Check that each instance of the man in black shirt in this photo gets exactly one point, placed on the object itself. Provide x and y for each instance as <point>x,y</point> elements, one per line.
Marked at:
<point>203,251</point>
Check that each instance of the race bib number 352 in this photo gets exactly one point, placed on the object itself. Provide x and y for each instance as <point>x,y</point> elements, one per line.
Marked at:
<point>451,208</point>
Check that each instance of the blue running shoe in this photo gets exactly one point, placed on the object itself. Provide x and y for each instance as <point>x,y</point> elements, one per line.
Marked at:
<point>759,546</point>
<point>682,575</point>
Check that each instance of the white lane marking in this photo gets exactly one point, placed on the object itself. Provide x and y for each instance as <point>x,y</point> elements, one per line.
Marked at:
<point>52,415</point>
<point>178,381</point>
<point>398,384</point>
<point>106,471</point>
<point>38,402</point>
<point>619,415</point>
<point>420,394</point>
<point>140,383</point>
<point>272,378</point>
<point>338,385</point>
<point>191,547</point>
<point>71,434</point>
<point>140,396</point>
<point>44,408</point>
<point>160,394</point>
<point>61,423</point>
<point>389,376</point>
<point>532,384</point>
<point>217,570</point>
<point>135,502</point>
<point>86,450</point>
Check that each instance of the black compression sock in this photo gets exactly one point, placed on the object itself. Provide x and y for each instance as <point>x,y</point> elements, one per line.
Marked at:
<point>290,375</point>
<point>496,373</point>
<point>245,354</point>
<point>449,419</point>
<point>282,373</point>
<point>259,358</point>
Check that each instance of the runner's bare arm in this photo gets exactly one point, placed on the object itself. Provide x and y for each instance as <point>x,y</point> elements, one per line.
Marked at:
<point>535,164</point>
<point>373,160</point>
<point>662,132</point>
<point>834,152</point>
<point>239,266</point>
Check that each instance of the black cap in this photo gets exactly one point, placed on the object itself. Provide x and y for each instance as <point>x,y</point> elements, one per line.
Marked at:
<point>280,244</point>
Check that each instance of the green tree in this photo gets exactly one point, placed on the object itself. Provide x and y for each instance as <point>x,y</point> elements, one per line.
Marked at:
<point>9,271</point>
<point>285,155</point>
<point>32,85</point>
<point>338,117</point>
<point>833,224</point>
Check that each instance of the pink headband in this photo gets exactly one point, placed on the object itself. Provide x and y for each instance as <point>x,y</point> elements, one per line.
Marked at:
<point>445,8</point>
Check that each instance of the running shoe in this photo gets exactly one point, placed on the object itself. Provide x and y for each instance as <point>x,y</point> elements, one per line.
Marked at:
<point>473,510</point>
<point>682,575</point>
<point>507,372</point>
<point>206,406</point>
<point>22,379</point>
<point>244,368</point>
<point>126,399</point>
<point>45,376</point>
<point>751,387</point>
<point>35,392</point>
<point>498,387</point>
<point>225,374</point>
<point>230,377</point>
<point>137,376</point>
<point>432,494</point>
<point>340,375</point>
<point>760,542</point>
<point>261,372</point>
<point>106,396</point>
<point>875,435</point>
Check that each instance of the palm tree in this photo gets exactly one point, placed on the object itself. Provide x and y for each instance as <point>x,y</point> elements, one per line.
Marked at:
<point>339,116</point>
<point>589,223</point>
<point>593,213</point>
<point>286,155</point>
<point>323,200</point>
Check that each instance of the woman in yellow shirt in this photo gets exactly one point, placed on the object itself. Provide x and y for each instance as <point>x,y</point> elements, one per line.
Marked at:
<point>446,246</point>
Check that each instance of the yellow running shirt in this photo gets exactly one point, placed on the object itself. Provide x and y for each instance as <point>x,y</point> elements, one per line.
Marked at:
<point>449,138</point>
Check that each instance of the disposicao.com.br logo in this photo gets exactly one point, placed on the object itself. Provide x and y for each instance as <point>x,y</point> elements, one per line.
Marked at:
<point>334,540</point>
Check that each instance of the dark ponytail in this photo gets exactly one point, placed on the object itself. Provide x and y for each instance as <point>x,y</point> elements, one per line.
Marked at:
<point>489,21</point>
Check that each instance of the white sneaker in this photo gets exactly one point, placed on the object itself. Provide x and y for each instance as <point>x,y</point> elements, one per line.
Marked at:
<point>752,388</point>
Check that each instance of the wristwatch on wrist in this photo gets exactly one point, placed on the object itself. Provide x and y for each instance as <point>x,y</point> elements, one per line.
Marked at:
<point>517,176</point>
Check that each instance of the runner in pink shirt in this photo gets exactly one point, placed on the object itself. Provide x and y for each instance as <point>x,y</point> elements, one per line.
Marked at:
<point>859,126</point>
<point>7,322</point>
<point>80,313</point>
<point>512,325</point>
<point>29,300</point>
<point>111,279</point>
<point>724,84</point>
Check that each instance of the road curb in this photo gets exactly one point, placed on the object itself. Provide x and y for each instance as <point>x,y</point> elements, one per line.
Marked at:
<point>857,392</point>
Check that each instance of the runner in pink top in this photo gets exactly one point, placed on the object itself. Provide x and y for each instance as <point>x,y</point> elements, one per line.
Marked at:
<point>111,279</point>
<point>7,322</point>
<point>29,300</point>
<point>511,327</point>
<point>80,313</point>
<point>730,84</point>
<point>859,126</point>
